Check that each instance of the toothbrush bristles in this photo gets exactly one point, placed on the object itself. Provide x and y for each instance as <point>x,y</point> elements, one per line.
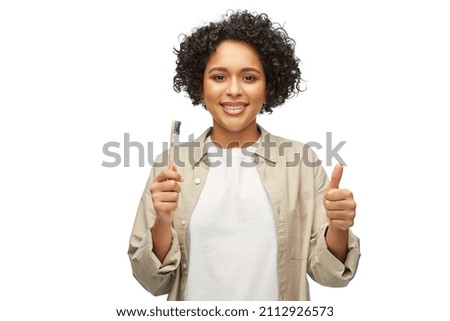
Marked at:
<point>176,127</point>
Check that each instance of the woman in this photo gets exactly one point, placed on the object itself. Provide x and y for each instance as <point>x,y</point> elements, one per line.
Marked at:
<point>245,215</point>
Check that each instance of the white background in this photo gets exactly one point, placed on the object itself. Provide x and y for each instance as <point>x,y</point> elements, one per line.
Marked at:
<point>77,74</point>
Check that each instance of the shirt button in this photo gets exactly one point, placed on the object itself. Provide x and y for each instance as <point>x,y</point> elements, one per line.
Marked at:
<point>184,265</point>
<point>197,181</point>
<point>183,222</point>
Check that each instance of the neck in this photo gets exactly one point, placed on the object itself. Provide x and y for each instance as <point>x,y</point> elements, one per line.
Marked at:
<point>227,139</point>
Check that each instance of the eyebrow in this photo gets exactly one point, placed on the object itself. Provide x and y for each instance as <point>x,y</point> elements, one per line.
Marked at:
<point>246,69</point>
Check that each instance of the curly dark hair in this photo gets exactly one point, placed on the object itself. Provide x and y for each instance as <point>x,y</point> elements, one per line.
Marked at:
<point>272,43</point>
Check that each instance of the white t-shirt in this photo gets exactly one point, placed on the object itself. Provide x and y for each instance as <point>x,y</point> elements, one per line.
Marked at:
<point>231,237</point>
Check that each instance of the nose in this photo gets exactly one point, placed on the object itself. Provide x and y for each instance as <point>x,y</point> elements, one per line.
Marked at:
<point>234,87</point>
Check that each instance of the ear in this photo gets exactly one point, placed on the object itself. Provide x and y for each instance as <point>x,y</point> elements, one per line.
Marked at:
<point>202,102</point>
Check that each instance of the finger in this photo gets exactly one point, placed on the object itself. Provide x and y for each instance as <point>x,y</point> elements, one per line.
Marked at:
<point>168,186</point>
<point>165,207</point>
<point>340,215</point>
<point>336,176</point>
<point>167,197</point>
<point>168,174</point>
<point>336,194</point>
<point>341,224</point>
<point>164,187</point>
<point>338,205</point>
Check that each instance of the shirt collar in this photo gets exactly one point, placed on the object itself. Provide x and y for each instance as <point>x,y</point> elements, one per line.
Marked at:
<point>267,147</point>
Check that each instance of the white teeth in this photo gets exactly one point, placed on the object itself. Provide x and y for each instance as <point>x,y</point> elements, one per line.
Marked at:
<point>233,107</point>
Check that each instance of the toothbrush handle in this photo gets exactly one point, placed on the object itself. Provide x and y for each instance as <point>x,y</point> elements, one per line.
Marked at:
<point>170,150</point>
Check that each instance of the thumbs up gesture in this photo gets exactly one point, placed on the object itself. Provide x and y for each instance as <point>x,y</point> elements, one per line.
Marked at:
<point>339,203</point>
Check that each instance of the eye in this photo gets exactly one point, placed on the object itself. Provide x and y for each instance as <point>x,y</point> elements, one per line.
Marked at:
<point>249,78</point>
<point>219,77</point>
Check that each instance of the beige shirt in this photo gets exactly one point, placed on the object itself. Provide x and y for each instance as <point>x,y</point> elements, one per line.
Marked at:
<point>295,182</point>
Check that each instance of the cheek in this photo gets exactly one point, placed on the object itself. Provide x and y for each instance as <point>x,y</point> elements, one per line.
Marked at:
<point>210,90</point>
<point>259,93</point>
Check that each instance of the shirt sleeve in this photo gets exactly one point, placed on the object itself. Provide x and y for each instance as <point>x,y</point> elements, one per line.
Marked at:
<point>326,269</point>
<point>155,276</point>
<point>323,266</point>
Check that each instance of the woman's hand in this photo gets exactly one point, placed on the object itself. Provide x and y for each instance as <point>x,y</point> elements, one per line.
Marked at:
<point>341,212</point>
<point>339,203</point>
<point>165,190</point>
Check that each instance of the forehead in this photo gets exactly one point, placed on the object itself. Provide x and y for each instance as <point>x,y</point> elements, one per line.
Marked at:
<point>233,53</point>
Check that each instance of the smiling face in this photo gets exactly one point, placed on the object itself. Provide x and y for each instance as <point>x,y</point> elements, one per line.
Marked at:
<point>234,89</point>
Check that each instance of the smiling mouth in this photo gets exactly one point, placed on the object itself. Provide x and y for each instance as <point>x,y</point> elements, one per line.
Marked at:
<point>230,107</point>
